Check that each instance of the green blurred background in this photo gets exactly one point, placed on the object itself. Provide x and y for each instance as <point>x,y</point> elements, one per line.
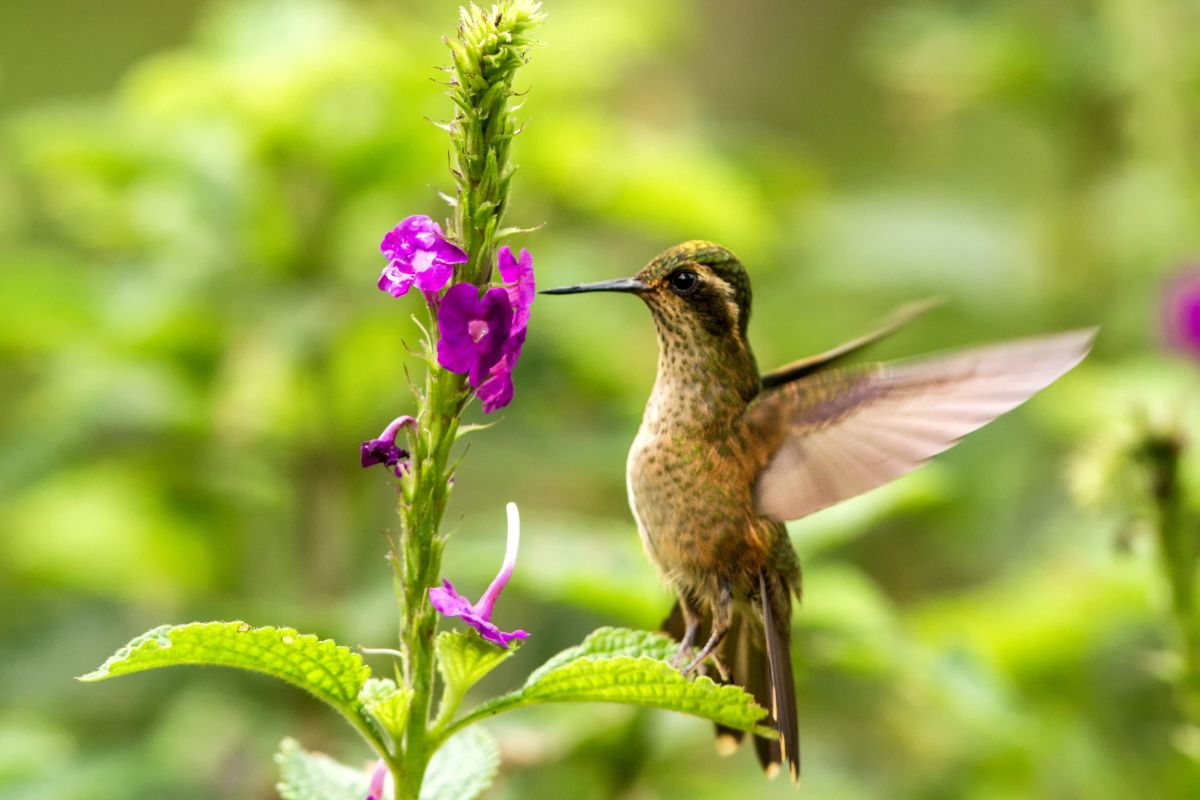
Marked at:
<point>191,199</point>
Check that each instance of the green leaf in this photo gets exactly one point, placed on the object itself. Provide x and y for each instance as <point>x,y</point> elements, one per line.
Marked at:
<point>464,658</point>
<point>610,642</point>
<point>463,430</point>
<point>321,667</point>
<point>622,666</point>
<point>462,768</point>
<point>386,705</point>
<point>316,776</point>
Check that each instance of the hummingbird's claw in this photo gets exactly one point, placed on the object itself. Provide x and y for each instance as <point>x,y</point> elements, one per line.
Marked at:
<point>683,654</point>
<point>700,662</point>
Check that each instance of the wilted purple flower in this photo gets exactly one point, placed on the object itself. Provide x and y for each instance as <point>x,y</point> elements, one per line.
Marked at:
<point>1183,313</point>
<point>378,776</point>
<point>473,330</point>
<point>450,603</point>
<point>418,253</point>
<point>384,450</point>
<point>518,273</point>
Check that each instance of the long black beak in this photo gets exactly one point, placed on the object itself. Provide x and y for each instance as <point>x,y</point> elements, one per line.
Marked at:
<point>618,285</point>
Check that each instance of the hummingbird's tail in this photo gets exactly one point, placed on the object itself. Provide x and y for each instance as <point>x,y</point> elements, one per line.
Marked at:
<point>776,600</point>
<point>757,657</point>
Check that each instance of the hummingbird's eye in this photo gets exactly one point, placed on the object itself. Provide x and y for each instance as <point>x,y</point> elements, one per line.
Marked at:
<point>683,281</point>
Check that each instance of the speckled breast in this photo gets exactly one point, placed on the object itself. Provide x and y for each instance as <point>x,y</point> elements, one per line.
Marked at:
<point>692,500</point>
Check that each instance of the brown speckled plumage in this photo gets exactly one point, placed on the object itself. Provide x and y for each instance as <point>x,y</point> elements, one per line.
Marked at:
<point>692,469</point>
<point>724,456</point>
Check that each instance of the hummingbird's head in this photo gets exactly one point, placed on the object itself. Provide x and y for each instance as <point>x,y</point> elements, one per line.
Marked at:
<point>693,289</point>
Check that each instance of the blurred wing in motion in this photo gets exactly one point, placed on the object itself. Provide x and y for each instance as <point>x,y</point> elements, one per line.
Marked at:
<point>840,433</point>
<point>807,366</point>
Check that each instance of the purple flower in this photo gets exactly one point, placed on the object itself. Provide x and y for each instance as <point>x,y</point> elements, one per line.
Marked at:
<point>522,289</point>
<point>378,776</point>
<point>474,330</point>
<point>450,603</point>
<point>384,450</point>
<point>418,253</point>
<point>1183,313</point>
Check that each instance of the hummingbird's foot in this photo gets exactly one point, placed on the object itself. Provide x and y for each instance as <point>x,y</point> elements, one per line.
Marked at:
<point>710,651</point>
<point>691,621</point>
<point>701,667</point>
<point>683,654</point>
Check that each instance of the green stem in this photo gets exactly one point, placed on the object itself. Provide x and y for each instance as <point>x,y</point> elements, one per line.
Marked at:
<point>419,564</point>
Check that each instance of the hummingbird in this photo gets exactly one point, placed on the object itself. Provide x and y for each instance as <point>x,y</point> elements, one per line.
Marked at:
<point>726,455</point>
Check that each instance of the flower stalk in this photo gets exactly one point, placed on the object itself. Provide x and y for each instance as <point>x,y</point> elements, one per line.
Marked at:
<point>489,47</point>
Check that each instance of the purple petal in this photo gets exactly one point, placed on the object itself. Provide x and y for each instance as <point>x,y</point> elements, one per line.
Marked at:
<point>448,252</point>
<point>394,280</point>
<point>418,226</point>
<point>497,391</point>
<point>378,451</point>
<point>448,602</point>
<point>459,306</point>
<point>433,278</point>
<point>522,288</point>
<point>488,630</point>
<point>513,348</point>
<point>378,776</point>
<point>402,240</point>
<point>395,244</point>
<point>497,315</point>
<point>383,450</point>
<point>507,265</point>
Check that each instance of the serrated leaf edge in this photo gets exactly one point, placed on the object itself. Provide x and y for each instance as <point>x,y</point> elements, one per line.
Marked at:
<point>160,638</point>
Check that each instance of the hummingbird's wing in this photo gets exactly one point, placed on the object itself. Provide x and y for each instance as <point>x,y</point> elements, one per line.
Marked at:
<point>839,433</point>
<point>807,366</point>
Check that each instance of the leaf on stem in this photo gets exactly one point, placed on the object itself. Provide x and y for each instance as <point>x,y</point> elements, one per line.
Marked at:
<point>321,667</point>
<point>464,658</point>
<point>462,768</point>
<point>608,643</point>
<point>623,666</point>
<point>316,776</point>
<point>387,705</point>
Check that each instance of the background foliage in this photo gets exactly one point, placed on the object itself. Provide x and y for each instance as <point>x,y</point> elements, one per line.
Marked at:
<point>192,346</point>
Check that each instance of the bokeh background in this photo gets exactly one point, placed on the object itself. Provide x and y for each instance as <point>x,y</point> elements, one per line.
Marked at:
<point>191,199</point>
